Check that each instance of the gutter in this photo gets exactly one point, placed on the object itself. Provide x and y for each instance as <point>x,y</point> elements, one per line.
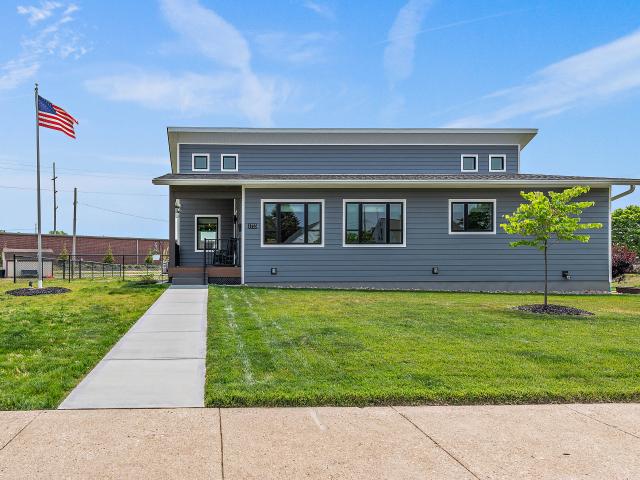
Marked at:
<point>385,183</point>
<point>629,191</point>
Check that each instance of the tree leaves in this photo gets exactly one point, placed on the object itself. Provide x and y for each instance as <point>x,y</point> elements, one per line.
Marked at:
<point>549,216</point>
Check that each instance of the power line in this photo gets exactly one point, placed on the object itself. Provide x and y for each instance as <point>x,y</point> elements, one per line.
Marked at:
<point>92,193</point>
<point>87,173</point>
<point>123,213</point>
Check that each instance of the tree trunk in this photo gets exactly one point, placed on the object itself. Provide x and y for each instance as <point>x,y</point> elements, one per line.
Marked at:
<point>546,287</point>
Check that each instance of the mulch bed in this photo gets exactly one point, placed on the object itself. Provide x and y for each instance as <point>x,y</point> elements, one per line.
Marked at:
<point>28,292</point>
<point>635,290</point>
<point>552,310</point>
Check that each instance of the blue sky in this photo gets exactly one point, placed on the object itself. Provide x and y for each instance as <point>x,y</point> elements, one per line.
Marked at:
<point>126,70</point>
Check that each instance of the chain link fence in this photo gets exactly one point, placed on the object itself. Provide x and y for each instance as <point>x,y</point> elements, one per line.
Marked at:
<point>93,267</point>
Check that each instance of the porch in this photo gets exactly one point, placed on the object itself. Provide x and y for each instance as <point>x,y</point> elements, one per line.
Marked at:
<point>204,235</point>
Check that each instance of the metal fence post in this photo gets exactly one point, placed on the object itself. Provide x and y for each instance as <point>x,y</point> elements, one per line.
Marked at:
<point>15,267</point>
<point>122,267</point>
<point>80,270</point>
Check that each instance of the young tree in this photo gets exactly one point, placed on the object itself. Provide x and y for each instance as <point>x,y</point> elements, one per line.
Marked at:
<point>548,217</point>
<point>625,227</point>
<point>64,253</point>
<point>108,257</point>
<point>149,258</point>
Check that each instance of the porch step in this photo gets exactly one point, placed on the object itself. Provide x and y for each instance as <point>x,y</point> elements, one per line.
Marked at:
<point>187,280</point>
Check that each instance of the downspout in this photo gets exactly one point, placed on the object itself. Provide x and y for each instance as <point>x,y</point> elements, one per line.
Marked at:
<point>629,191</point>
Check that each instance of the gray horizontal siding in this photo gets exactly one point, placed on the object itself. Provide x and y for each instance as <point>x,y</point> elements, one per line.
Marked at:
<point>189,208</point>
<point>349,158</point>
<point>460,258</point>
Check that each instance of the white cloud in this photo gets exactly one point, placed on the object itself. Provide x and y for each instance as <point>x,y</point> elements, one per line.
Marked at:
<point>233,88</point>
<point>399,53</point>
<point>206,31</point>
<point>37,14</point>
<point>55,39</point>
<point>14,72</point>
<point>595,75</point>
<point>295,49</point>
<point>321,9</point>
<point>228,92</point>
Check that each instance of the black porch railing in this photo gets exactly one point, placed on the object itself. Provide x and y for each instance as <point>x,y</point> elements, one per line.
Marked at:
<point>222,252</point>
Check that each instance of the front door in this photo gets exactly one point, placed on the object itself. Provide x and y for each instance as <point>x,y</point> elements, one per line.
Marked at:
<point>207,228</point>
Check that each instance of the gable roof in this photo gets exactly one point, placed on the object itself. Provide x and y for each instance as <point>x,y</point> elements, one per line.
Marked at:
<point>346,136</point>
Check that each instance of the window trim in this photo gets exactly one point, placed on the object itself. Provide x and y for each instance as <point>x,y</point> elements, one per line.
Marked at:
<point>504,161</point>
<point>195,228</point>
<point>292,245</point>
<point>473,200</point>
<point>222,155</point>
<point>193,162</point>
<point>374,200</point>
<point>475,155</point>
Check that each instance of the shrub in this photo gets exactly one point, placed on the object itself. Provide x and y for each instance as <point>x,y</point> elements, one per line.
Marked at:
<point>622,260</point>
<point>149,258</point>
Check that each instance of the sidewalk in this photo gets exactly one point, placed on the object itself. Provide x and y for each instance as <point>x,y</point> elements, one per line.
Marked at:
<point>486,442</point>
<point>160,362</point>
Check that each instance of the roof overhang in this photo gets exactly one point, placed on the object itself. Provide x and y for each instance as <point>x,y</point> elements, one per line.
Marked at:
<point>346,136</point>
<point>594,182</point>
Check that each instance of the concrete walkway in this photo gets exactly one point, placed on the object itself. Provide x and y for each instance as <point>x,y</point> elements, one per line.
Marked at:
<point>480,442</point>
<point>160,362</point>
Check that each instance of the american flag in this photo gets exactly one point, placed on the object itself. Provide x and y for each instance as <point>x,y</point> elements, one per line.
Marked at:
<point>52,116</point>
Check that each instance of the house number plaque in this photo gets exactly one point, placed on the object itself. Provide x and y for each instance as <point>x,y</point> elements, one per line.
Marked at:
<point>252,226</point>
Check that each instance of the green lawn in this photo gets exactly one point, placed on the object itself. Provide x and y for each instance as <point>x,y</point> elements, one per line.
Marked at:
<point>49,343</point>
<point>317,347</point>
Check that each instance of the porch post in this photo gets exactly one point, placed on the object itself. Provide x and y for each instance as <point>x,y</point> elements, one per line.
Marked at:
<point>172,227</point>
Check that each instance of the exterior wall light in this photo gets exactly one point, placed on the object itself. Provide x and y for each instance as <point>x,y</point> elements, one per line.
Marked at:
<point>435,271</point>
<point>565,275</point>
<point>274,271</point>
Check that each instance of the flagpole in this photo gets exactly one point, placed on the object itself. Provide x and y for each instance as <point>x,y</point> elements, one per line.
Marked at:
<point>38,190</point>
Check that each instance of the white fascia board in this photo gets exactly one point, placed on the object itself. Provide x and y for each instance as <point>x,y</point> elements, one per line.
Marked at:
<point>387,183</point>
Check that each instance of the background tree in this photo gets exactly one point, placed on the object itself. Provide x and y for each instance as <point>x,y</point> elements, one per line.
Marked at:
<point>625,227</point>
<point>108,256</point>
<point>57,232</point>
<point>64,253</point>
<point>548,217</point>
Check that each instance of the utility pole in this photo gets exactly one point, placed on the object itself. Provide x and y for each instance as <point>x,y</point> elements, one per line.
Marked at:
<point>55,204</point>
<point>75,209</point>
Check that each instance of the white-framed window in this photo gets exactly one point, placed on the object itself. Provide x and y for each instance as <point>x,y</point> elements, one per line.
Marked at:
<point>292,223</point>
<point>497,163</point>
<point>472,216</point>
<point>374,222</point>
<point>469,163</point>
<point>200,162</point>
<point>206,227</point>
<point>229,162</point>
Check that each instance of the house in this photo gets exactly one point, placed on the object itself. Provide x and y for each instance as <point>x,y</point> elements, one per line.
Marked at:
<point>378,208</point>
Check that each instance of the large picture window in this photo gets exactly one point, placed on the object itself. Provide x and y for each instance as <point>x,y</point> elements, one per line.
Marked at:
<point>292,223</point>
<point>472,216</point>
<point>373,222</point>
<point>207,228</point>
